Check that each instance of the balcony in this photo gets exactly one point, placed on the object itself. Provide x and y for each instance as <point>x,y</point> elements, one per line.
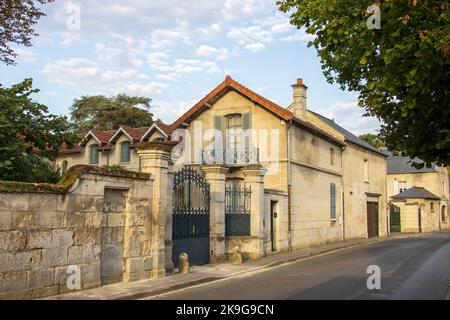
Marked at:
<point>231,157</point>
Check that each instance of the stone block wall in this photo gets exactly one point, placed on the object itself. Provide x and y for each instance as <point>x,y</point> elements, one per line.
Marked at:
<point>96,222</point>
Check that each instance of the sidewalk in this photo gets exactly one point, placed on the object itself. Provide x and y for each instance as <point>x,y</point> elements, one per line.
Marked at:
<point>206,274</point>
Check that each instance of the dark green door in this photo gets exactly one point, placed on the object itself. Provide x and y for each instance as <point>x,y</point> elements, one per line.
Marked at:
<point>395,220</point>
<point>190,217</point>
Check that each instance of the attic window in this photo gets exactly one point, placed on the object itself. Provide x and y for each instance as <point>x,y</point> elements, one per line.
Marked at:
<point>93,154</point>
<point>125,153</point>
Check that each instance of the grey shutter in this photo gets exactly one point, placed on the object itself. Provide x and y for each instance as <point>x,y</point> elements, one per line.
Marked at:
<point>218,126</point>
<point>247,125</point>
<point>332,201</point>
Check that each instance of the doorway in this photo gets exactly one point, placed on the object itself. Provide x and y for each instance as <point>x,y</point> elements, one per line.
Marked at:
<point>273,216</point>
<point>372,220</point>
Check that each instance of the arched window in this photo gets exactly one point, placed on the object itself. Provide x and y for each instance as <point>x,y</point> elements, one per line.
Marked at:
<point>93,154</point>
<point>443,213</point>
<point>125,152</point>
<point>64,166</point>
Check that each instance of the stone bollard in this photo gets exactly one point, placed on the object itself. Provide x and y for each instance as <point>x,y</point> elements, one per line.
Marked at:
<point>237,256</point>
<point>183,260</point>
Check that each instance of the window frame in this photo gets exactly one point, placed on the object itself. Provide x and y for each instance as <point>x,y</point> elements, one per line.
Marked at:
<point>96,159</point>
<point>122,144</point>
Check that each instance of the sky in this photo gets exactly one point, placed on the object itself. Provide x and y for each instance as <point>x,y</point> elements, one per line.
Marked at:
<point>175,52</point>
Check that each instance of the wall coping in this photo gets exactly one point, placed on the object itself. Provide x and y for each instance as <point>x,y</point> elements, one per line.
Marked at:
<point>68,180</point>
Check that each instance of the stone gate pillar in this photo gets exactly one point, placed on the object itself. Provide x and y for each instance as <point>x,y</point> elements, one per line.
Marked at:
<point>215,176</point>
<point>155,158</point>
<point>254,177</point>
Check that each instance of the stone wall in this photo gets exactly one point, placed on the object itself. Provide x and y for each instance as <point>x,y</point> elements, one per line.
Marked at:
<point>96,222</point>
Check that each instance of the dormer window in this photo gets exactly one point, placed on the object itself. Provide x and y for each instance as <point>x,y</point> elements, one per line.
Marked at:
<point>125,152</point>
<point>93,154</point>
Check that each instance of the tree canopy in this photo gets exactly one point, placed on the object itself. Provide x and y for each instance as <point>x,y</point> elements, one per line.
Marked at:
<point>374,140</point>
<point>17,18</point>
<point>401,70</point>
<point>104,113</point>
<point>28,134</point>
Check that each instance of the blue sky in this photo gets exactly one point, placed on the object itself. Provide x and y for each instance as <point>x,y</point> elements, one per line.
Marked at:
<point>175,52</point>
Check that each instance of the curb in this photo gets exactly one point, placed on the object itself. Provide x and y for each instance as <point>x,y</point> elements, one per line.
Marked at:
<point>205,281</point>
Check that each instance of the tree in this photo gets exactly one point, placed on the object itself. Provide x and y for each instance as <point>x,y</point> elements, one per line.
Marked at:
<point>28,134</point>
<point>401,71</point>
<point>374,140</point>
<point>103,113</point>
<point>17,18</point>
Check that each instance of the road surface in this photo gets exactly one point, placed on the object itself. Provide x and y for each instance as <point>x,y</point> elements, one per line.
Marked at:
<point>416,267</point>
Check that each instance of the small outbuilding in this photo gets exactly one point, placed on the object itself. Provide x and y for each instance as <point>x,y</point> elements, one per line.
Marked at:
<point>415,210</point>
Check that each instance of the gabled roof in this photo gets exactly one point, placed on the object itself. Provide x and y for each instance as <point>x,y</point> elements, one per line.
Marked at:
<point>404,165</point>
<point>350,137</point>
<point>227,85</point>
<point>166,130</point>
<point>106,139</point>
<point>416,193</point>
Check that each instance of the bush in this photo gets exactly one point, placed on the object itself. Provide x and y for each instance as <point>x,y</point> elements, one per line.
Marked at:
<point>29,168</point>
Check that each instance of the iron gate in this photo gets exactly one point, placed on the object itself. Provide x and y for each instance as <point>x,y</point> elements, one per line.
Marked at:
<point>395,219</point>
<point>190,214</point>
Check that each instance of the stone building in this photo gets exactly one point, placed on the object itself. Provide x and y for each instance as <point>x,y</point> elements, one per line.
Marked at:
<point>253,177</point>
<point>419,197</point>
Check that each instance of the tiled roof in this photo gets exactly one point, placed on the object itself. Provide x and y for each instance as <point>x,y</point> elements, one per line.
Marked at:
<point>404,165</point>
<point>230,84</point>
<point>227,85</point>
<point>105,136</point>
<point>416,193</point>
<point>347,134</point>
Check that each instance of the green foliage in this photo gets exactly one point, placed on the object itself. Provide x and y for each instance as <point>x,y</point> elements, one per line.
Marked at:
<point>26,129</point>
<point>116,167</point>
<point>17,18</point>
<point>373,139</point>
<point>105,113</point>
<point>400,71</point>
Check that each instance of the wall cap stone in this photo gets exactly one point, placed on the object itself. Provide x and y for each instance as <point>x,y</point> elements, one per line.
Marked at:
<point>68,180</point>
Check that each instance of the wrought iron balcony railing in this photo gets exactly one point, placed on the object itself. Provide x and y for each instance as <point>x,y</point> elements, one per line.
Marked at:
<point>231,157</point>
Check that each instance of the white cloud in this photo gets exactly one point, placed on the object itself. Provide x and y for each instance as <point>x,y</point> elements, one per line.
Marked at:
<point>239,9</point>
<point>126,53</point>
<point>210,31</point>
<point>351,117</point>
<point>211,52</point>
<point>255,47</point>
<point>171,111</point>
<point>180,67</point>
<point>91,78</point>
<point>298,36</point>
<point>25,55</point>
<point>165,38</point>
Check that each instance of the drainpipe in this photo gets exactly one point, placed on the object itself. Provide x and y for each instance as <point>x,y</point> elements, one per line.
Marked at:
<point>343,193</point>
<point>289,185</point>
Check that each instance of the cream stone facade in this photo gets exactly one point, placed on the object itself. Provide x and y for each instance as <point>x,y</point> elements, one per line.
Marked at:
<point>402,176</point>
<point>298,178</point>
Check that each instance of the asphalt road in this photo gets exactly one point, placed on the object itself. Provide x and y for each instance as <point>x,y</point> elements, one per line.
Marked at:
<point>411,268</point>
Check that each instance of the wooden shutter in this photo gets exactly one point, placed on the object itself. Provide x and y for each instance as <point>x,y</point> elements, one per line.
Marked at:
<point>332,201</point>
<point>247,125</point>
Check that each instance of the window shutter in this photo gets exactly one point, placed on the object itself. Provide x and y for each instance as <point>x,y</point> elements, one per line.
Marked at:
<point>218,123</point>
<point>93,154</point>
<point>125,152</point>
<point>332,201</point>
<point>246,125</point>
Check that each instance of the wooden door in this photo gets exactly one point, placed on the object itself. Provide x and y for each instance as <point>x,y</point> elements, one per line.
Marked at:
<point>372,219</point>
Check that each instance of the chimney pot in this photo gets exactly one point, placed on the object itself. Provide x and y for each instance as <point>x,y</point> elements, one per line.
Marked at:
<point>299,81</point>
<point>299,102</point>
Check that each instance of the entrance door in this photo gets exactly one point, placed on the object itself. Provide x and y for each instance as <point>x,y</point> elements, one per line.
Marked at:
<point>395,219</point>
<point>372,219</point>
<point>420,220</point>
<point>190,217</point>
<point>273,216</point>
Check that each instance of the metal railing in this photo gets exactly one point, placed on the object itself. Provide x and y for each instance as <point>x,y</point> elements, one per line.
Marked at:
<point>231,156</point>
